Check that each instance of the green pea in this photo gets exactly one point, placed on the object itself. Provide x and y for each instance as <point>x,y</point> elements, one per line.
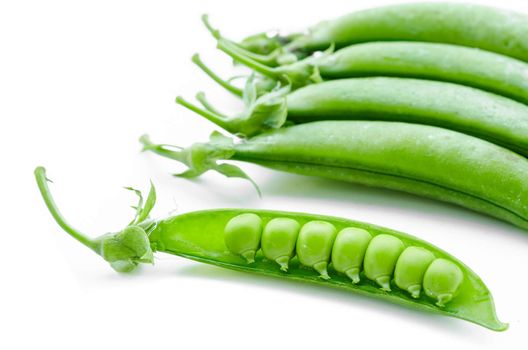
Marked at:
<point>242,235</point>
<point>442,280</point>
<point>278,240</point>
<point>314,245</point>
<point>410,269</point>
<point>349,250</point>
<point>380,259</point>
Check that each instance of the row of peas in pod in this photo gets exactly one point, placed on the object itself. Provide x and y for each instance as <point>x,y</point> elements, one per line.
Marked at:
<point>351,251</point>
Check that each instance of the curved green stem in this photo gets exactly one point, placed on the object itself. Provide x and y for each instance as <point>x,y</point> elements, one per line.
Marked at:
<point>226,85</point>
<point>232,50</point>
<point>200,96</point>
<point>161,149</point>
<point>42,182</point>
<point>218,119</point>
<point>269,60</point>
<point>214,32</point>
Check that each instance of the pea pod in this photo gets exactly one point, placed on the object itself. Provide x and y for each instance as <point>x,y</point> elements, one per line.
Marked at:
<point>471,25</point>
<point>473,67</point>
<point>460,108</point>
<point>420,159</point>
<point>444,62</point>
<point>472,111</point>
<point>201,236</point>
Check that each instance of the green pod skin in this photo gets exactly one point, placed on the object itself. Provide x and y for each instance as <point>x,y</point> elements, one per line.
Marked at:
<point>484,70</point>
<point>200,236</point>
<point>242,235</point>
<point>410,269</point>
<point>380,259</point>
<point>473,67</point>
<point>460,108</point>
<point>314,246</point>
<point>419,159</point>
<point>349,250</point>
<point>279,239</point>
<point>442,281</point>
<point>483,114</point>
<point>471,25</point>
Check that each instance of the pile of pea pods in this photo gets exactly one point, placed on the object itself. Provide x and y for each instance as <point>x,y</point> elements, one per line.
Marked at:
<point>425,98</point>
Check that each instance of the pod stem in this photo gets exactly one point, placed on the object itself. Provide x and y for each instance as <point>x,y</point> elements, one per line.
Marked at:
<point>232,50</point>
<point>42,182</point>
<point>214,32</point>
<point>225,84</point>
<point>269,60</point>
<point>200,97</point>
<point>165,150</point>
<point>212,116</point>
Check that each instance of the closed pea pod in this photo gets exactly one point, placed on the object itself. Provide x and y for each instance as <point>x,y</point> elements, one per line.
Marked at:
<point>442,281</point>
<point>410,269</point>
<point>242,235</point>
<point>470,25</point>
<point>420,159</point>
<point>279,239</point>
<point>314,245</point>
<point>200,236</point>
<point>485,70</point>
<point>482,114</point>
<point>473,67</point>
<point>349,250</point>
<point>380,259</point>
<point>485,115</point>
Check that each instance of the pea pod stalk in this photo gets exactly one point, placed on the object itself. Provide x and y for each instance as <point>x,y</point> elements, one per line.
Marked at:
<point>205,236</point>
<point>419,159</point>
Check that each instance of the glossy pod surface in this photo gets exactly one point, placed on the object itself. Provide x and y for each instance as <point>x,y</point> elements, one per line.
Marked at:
<point>414,158</point>
<point>465,109</point>
<point>488,28</point>
<point>201,236</point>
<point>485,70</point>
<point>420,159</point>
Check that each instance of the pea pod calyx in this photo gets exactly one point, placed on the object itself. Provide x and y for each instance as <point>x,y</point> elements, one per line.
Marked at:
<point>201,157</point>
<point>124,250</point>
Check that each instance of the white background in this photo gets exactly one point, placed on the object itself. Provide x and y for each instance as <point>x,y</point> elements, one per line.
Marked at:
<point>79,83</point>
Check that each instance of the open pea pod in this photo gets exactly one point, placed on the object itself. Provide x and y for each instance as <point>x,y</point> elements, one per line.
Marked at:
<point>361,257</point>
